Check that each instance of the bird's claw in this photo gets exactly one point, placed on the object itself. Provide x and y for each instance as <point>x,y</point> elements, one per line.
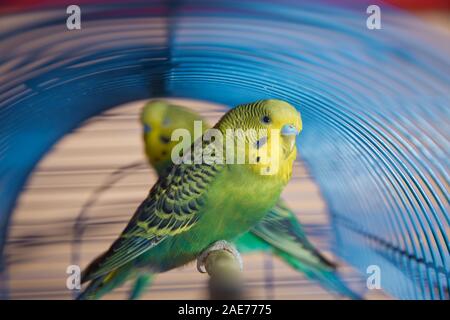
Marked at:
<point>217,246</point>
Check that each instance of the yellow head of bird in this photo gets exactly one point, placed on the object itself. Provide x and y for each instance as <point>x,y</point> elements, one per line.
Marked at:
<point>271,127</point>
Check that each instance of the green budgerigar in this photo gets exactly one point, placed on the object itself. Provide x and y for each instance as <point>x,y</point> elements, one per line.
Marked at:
<point>194,205</point>
<point>279,232</point>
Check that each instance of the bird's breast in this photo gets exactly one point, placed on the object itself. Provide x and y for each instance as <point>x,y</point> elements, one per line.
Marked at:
<point>239,199</point>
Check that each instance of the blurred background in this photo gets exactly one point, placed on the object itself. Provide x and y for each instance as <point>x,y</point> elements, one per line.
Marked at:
<point>370,184</point>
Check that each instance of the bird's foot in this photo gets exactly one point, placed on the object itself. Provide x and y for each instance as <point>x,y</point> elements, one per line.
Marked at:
<point>218,246</point>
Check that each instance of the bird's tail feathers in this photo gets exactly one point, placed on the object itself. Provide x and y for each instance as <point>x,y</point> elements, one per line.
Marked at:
<point>327,277</point>
<point>142,282</point>
<point>104,284</point>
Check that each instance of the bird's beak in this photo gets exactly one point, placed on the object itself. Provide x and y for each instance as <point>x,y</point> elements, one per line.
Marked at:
<point>289,130</point>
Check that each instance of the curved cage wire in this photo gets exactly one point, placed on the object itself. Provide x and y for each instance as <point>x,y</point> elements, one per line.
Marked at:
<point>374,104</point>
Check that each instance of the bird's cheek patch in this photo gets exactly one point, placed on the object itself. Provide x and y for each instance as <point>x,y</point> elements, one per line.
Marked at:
<point>147,128</point>
<point>261,142</point>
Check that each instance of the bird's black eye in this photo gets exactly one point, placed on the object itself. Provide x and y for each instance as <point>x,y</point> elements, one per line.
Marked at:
<point>266,119</point>
<point>164,139</point>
